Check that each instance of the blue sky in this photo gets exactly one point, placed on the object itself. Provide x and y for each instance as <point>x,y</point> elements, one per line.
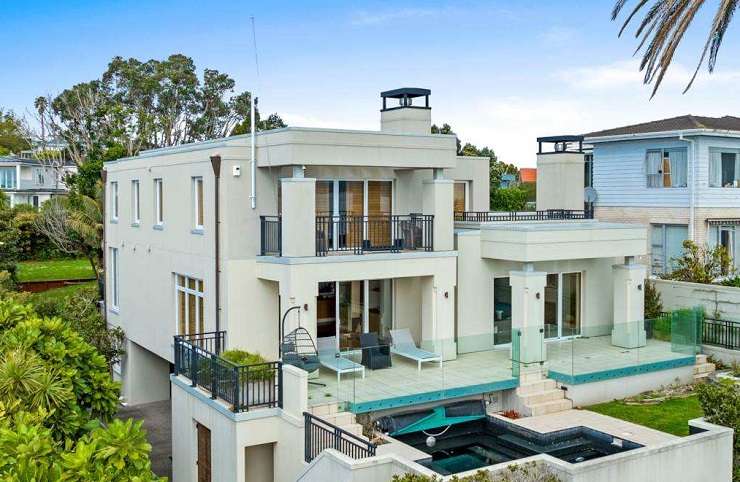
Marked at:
<point>502,73</point>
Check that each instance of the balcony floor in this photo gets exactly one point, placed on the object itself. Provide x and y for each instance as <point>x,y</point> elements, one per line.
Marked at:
<point>582,360</point>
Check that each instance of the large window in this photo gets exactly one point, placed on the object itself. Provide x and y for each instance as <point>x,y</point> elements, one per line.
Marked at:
<point>198,214</point>
<point>727,235</point>
<point>190,309</point>
<point>501,311</point>
<point>459,203</point>
<point>158,203</point>
<point>666,168</point>
<point>724,168</point>
<point>135,206</point>
<point>8,178</point>
<point>666,242</point>
<point>563,305</point>
<point>40,176</point>
<point>113,278</point>
<point>114,201</point>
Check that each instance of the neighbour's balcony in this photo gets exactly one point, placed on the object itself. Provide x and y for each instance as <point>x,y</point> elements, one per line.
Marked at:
<point>356,234</point>
<point>512,216</point>
<point>242,387</point>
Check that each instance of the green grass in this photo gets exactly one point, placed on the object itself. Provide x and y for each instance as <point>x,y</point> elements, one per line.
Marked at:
<point>671,416</point>
<point>57,294</point>
<point>56,269</point>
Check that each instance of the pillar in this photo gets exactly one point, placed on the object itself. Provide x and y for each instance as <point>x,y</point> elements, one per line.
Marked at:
<point>437,199</point>
<point>629,304</point>
<point>145,376</point>
<point>299,216</point>
<point>438,316</point>
<point>528,313</point>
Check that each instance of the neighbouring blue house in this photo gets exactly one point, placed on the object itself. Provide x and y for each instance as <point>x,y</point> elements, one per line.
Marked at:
<point>680,176</point>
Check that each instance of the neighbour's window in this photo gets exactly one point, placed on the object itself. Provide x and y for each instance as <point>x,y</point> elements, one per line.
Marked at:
<point>666,245</point>
<point>666,168</point>
<point>724,168</point>
<point>158,203</point>
<point>113,276</point>
<point>35,201</point>
<point>198,202</point>
<point>189,293</point>
<point>114,200</point>
<point>135,207</point>
<point>727,235</point>
<point>7,178</point>
<point>40,177</point>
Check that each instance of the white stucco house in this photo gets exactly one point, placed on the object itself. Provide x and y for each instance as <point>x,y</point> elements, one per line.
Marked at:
<point>678,176</point>
<point>26,180</point>
<point>366,268</point>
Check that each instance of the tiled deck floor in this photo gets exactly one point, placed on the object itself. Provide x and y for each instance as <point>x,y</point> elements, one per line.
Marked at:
<point>483,370</point>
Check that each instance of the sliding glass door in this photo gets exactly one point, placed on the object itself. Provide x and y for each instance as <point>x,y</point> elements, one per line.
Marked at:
<point>563,305</point>
<point>501,311</point>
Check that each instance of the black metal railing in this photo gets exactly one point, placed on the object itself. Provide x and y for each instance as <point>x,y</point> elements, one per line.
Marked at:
<point>722,333</point>
<point>321,435</point>
<point>245,387</point>
<point>547,215</point>
<point>271,243</point>
<point>361,234</point>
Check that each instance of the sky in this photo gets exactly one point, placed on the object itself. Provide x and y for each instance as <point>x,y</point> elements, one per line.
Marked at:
<point>501,73</point>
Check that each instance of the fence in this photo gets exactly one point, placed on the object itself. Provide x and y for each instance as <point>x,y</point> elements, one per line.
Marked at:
<point>321,435</point>
<point>548,215</point>
<point>722,333</point>
<point>243,386</point>
<point>271,243</point>
<point>360,234</point>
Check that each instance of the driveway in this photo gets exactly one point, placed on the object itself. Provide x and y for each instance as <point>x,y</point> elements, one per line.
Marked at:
<point>158,426</point>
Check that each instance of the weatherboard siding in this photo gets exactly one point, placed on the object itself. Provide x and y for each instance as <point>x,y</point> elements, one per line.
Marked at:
<point>620,176</point>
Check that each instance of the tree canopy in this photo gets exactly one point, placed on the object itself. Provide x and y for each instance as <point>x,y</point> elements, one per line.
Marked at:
<point>13,134</point>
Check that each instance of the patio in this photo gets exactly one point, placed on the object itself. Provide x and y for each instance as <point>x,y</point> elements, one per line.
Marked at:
<point>581,360</point>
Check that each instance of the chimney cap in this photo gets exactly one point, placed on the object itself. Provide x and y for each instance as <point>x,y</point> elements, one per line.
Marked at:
<point>406,92</point>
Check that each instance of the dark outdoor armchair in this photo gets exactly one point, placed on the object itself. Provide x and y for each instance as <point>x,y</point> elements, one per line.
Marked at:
<point>374,354</point>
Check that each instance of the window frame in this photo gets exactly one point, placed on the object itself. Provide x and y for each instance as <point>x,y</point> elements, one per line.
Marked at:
<point>661,174</point>
<point>198,194</point>
<point>199,295</point>
<point>114,273</point>
<point>710,170</point>
<point>158,202</point>
<point>114,201</point>
<point>135,202</point>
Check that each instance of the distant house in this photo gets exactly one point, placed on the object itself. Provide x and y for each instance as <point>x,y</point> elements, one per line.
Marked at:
<point>680,176</point>
<point>507,180</point>
<point>30,181</point>
<point>528,175</point>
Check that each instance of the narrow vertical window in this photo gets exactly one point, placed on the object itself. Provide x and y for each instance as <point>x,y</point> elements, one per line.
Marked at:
<point>113,277</point>
<point>114,200</point>
<point>190,298</point>
<point>198,214</point>
<point>135,207</point>
<point>158,203</point>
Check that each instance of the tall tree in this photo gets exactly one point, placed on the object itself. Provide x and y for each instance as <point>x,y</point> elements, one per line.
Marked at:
<point>13,134</point>
<point>662,29</point>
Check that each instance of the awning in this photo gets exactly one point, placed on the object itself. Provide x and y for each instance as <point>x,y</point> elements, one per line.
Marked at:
<point>730,221</point>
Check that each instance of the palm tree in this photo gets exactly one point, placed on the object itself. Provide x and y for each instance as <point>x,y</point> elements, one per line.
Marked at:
<point>662,28</point>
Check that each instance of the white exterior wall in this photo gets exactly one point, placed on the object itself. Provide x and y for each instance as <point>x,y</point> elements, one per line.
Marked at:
<point>723,300</point>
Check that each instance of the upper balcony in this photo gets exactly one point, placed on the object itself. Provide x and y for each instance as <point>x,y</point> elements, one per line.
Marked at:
<point>356,234</point>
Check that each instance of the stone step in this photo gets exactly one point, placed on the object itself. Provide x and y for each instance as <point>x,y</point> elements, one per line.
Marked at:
<point>325,409</point>
<point>354,428</point>
<point>703,368</point>
<point>541,397</point>
<point>700,377</point>
<point>551,407</point>
<point>535,387</point>
<point>701,359</point>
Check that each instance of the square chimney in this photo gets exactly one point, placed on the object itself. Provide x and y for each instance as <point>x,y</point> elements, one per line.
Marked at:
<point>406,110</point>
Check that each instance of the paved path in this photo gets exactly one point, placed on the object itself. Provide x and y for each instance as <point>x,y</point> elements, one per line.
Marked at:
<point>158,426</point>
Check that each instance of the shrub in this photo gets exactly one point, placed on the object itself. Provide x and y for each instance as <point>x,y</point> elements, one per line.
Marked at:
<point>653,301</point>
<point>733,281</point>
<point>508,199</point>
<point>527,472</point>
<point>701,264</point>
<point>245,358</point>
<point>721,404</point>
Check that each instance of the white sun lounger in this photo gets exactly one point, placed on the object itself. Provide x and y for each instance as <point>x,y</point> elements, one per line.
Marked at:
<point>327,348</point>
<point>403,345</point>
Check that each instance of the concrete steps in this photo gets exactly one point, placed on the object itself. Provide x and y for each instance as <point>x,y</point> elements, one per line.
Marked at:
<point>551,407</point>
<point>539,395</point>
<point>702,368</point>
<point>329,412</point>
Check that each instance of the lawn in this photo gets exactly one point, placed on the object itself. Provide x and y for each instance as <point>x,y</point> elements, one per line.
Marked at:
<point>57,294</point>
<point>56,269</point>
<point>670,416</point>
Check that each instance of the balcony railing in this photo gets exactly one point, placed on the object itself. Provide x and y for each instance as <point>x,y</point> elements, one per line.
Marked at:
<point>321,435</point>
<point>244,387</point>
<point>271,243</point>
<point>722,333</point>
<point>547,215</point>
<point>361,234</point>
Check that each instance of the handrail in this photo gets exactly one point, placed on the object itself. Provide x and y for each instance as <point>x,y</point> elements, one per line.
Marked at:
<point>545,215</point>
<point>243,386</point>
<point>321,435</point>
<point>722,333</point>
<point>271,243</point>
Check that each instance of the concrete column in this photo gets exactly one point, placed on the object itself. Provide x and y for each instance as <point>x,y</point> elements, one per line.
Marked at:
<point>528,313</point>
<point>145,376</point>
<point>299,216</point>
<point>629,305</point>
<point>438,316</point>
<point>295,391</point>
<point>437,200</point>
<point>298,292</point>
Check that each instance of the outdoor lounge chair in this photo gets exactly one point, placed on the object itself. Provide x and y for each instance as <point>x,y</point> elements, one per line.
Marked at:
<point>403,345</point>
<point>329,358</point>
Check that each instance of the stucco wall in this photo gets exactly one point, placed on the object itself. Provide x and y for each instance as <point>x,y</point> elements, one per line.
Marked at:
<point>679,294</point>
